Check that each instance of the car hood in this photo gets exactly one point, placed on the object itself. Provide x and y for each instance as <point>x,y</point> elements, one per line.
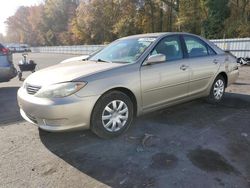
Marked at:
<point>68,72</point>
<point>78,58</point>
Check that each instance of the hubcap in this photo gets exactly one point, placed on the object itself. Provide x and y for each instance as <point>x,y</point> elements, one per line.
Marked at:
<point>115,116</point>
<point>218,89</point>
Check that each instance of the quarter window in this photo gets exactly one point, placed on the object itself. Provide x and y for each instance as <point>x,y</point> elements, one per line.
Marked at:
<point>210,51</point>
<point>170,47</point>
<point>195,47</point>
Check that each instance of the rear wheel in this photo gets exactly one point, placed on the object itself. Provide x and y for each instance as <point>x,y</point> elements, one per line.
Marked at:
<point>112,115</point>
<point>217,91</point>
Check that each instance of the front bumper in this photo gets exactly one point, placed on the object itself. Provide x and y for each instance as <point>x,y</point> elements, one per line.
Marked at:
<point>56,115</point>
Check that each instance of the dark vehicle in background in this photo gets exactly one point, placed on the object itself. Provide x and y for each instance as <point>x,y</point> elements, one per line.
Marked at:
<point>7,69</point>
<point>19,48</point>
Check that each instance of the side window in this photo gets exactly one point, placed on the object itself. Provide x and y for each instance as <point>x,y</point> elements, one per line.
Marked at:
<point>195,47</point>
<point>170,47</point>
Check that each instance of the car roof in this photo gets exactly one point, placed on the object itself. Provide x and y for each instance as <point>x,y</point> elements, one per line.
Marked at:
<point>163,34</point>
<point>154,35</point>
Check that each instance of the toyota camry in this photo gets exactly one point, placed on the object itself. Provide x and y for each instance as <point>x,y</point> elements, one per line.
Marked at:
<point>130,77</point>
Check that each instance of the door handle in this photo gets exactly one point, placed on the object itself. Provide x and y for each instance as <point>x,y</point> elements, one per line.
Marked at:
<point>215,61</point>
<point>183,67</point>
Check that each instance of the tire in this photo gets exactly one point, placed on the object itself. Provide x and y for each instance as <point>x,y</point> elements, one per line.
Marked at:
<point>104,116</point>
<point>215,97</point>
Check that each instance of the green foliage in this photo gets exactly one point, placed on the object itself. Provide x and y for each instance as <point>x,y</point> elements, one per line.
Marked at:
<point>238,24</point>
<point>56,18</point>
<point>127,21</point>
<point>190,16</point>
<point>218,12</point>
<point>66,22</point>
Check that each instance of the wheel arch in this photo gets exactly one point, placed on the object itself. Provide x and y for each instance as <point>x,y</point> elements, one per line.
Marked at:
<point>126,91</point>
<point>224,75</point>
<point>130,94</point>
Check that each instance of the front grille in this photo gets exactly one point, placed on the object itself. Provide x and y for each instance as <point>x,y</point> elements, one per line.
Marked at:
<point>32,90</point>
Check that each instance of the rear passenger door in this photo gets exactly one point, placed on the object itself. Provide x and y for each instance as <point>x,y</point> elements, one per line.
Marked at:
<point>203,61</point>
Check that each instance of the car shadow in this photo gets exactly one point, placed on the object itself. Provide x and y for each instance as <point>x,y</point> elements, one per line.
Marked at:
<point>153,152</point>
<point>241,84</point>
<point>9,111</point>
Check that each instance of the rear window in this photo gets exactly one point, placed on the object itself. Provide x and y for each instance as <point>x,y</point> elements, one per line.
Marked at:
<point>195,47</point>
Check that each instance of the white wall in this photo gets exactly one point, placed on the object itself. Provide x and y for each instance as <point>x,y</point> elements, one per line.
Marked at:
<point>240,47</point>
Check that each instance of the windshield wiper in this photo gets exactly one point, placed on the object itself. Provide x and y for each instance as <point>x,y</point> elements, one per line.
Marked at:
<point>101,60</point>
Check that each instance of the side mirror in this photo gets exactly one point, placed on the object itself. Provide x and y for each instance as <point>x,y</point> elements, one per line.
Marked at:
<point>157,58</point>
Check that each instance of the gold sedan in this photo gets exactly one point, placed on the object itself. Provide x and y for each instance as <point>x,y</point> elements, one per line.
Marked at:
<point>131,76</point>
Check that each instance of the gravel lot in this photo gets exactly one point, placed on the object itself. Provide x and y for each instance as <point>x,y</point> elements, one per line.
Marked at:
<point>190,145</point>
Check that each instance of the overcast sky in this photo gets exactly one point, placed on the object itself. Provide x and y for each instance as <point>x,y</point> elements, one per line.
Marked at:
<point>8,8</point>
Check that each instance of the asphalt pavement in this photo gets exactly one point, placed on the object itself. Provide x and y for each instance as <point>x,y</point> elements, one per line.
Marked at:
<point>194,145</point>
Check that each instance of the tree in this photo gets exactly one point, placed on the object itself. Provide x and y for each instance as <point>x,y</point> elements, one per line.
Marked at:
<point>24,26</point>
<point>36,37</point>
<point>218,12</point>
<point>173,7</point>
<point>190,9</point>
<point>56,19</point>
<point>18,25</point>
<point>95,20</point>
<point>127,22</point>
<point>66,22</point>
<point>238,24</point>
<point>2,39</point>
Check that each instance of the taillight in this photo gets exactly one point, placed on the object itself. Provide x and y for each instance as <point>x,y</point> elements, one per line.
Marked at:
<point>4,51</point>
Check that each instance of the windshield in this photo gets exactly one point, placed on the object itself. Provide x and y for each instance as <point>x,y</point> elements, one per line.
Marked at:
<point>123,51</point>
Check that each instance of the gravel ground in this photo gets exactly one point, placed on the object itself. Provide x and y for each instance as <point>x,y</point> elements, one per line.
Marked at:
<point>190,145</point>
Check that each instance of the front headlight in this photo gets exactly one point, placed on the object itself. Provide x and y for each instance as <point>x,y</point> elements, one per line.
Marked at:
<point>60,90</point>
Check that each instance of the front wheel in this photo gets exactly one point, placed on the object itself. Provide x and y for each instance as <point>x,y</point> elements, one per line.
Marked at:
<point>112,115</point>
<point>217,91</point>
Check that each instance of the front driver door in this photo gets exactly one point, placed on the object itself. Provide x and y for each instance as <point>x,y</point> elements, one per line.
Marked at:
<point>165,82</point>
